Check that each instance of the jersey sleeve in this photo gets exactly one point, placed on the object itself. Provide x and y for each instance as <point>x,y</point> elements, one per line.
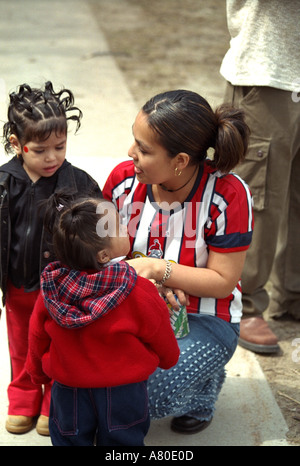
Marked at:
<point>230,223</point>
<point>118,183</point>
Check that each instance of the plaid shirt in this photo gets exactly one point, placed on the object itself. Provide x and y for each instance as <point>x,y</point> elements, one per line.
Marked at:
<point>77,298</point>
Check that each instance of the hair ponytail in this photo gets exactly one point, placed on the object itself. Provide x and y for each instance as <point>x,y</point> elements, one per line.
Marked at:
<point>53,208</point>
<point>185,122</point>
<point>71,221</point>
<point>231,138</point>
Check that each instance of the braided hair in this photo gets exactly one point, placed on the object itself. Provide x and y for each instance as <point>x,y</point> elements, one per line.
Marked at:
<point>79,228</point>
<point>33,114</point>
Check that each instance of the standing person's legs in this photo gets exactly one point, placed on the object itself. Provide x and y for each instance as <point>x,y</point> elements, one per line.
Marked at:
<point>42,426</point>
<point>285,277</point>
<point>266,170</point>
<point>114,416</point>
<point>126,420</point>
<point>73,418</point>
<point>24,397</point>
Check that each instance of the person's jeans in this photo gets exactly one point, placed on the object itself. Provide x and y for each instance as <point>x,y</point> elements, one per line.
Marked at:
<point>99,416</point>
<point>193,385</point>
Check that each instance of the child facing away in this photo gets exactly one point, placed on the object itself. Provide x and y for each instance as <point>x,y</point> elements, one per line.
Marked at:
<point>98,330</point>
<point>36,132</point>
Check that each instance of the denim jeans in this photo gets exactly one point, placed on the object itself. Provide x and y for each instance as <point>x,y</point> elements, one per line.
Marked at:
<point>116,416</point>
<point>193,385</point>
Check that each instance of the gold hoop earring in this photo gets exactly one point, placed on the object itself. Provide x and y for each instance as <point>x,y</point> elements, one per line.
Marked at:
<point>176,172</point>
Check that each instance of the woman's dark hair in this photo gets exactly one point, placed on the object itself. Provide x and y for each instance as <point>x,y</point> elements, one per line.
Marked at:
<point>185,122</point>
<point>34,113</point>
<point>73,224</point>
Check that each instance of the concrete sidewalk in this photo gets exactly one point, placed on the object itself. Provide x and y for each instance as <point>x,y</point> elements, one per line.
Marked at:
<point>59,41</point>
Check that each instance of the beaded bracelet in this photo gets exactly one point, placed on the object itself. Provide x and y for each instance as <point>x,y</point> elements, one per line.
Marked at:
<point>167,274</point>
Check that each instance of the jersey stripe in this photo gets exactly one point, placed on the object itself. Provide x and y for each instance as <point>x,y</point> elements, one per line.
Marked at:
<point>217,215</point>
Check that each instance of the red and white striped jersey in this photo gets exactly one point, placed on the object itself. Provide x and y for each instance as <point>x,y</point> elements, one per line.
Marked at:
<point>216,215</point>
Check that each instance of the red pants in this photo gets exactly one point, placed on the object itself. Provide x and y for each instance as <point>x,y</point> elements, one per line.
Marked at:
<point>25,398</point>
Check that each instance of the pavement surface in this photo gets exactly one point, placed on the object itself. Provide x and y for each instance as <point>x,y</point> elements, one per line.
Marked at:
<point>60,41</point>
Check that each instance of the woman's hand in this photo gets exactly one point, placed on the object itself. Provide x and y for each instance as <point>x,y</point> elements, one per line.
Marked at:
<point>154,269</point>
<point>217,280</point>
<point>170,296</point>
<point>149,267</point>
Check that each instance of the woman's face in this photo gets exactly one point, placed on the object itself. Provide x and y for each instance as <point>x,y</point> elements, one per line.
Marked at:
<point>152,163</point>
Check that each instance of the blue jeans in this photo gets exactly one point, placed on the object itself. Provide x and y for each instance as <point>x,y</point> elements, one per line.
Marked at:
<point>99,416</point>
<point>193,385</point>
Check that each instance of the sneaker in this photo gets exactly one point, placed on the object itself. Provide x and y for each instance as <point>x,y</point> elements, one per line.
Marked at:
<point>18,424</point>
<point>42,425</point>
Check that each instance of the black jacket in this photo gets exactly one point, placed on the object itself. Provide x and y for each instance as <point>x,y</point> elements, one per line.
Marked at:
<point>24,248</point>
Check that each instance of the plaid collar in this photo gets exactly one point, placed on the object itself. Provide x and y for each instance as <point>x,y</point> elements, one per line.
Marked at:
<point>77,298</point>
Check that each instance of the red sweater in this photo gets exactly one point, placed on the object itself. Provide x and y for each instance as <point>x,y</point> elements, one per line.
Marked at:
<point>121,347</point>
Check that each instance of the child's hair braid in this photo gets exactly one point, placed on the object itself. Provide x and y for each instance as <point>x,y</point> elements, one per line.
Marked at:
<point>34,113</point>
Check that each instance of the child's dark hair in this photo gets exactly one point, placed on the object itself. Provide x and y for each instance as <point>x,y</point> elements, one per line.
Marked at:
<point>34,113</point>
<point>185,122</point>
<point>73,226</point>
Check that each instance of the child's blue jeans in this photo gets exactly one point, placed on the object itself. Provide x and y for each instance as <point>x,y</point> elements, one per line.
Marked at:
<point>99,416</point>
<point>193,385</point>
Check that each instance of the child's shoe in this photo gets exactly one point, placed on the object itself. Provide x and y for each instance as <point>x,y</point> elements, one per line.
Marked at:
<point>42,425</point>
<point>18,424</point>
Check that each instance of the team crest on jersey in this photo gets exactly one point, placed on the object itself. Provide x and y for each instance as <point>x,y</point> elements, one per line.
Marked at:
<point>154,250</point>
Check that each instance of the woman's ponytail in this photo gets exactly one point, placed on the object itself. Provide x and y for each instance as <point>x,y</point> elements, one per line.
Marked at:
<point>231,138</point>
<point>185,122</point>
